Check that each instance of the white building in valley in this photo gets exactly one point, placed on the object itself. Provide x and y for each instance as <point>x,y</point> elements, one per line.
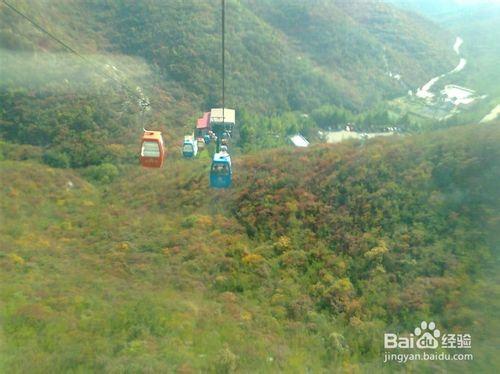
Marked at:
<point>458,95</point>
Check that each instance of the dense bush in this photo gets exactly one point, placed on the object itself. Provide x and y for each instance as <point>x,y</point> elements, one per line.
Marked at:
<point>104,173</point>
<point>375,225</point>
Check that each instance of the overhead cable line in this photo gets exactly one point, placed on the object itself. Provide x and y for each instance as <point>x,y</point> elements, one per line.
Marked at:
<point>223,58</point>
<point>142,102</point>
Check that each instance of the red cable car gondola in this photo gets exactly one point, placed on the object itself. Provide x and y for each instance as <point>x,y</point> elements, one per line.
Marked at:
<point>152,149</point>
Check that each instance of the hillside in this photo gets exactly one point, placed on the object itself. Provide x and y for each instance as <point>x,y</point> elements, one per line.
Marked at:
<point>359,43</point>
<point>181,39</point>
<point>312,254</point>
<point>147,271</point>
<point>172,51</point>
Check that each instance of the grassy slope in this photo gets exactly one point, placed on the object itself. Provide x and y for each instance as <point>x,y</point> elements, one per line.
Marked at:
<point>286,271</point>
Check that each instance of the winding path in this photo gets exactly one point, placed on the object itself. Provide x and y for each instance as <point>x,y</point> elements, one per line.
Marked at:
<point>424,92</point>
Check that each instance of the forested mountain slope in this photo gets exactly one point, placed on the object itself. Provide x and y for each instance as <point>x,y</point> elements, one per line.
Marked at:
<point>312,255</point>
<point>304,264</point>
<point>359,43</point>
<point>182,40</point>
<point>171,49</point>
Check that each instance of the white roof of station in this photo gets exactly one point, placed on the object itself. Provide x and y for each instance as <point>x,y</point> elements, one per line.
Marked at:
<point>229,115</point>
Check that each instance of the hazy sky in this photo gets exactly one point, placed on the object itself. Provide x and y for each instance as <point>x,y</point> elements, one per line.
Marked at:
<point>477,1</point>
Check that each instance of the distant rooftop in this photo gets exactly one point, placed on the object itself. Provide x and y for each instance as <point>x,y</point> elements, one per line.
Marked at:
<point>204,121</point>
<point>216,115</point>
<point>299,141</point>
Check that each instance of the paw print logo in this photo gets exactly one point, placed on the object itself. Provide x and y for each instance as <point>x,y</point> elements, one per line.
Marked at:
<point>427,335</point>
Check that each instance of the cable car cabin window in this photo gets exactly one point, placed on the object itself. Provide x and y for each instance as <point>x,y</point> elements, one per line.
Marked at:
<point>150,149</point>
<point>220,169</point>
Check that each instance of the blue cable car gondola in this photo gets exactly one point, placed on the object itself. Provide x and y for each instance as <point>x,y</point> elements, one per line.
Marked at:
<point>221,172</point>
<point>189,147</point>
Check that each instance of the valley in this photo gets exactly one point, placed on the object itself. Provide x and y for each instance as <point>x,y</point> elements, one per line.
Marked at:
<point>350,192</point>
<point>442,103</point>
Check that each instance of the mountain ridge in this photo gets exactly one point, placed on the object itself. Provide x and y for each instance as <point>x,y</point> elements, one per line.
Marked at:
<point>179,36</point>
